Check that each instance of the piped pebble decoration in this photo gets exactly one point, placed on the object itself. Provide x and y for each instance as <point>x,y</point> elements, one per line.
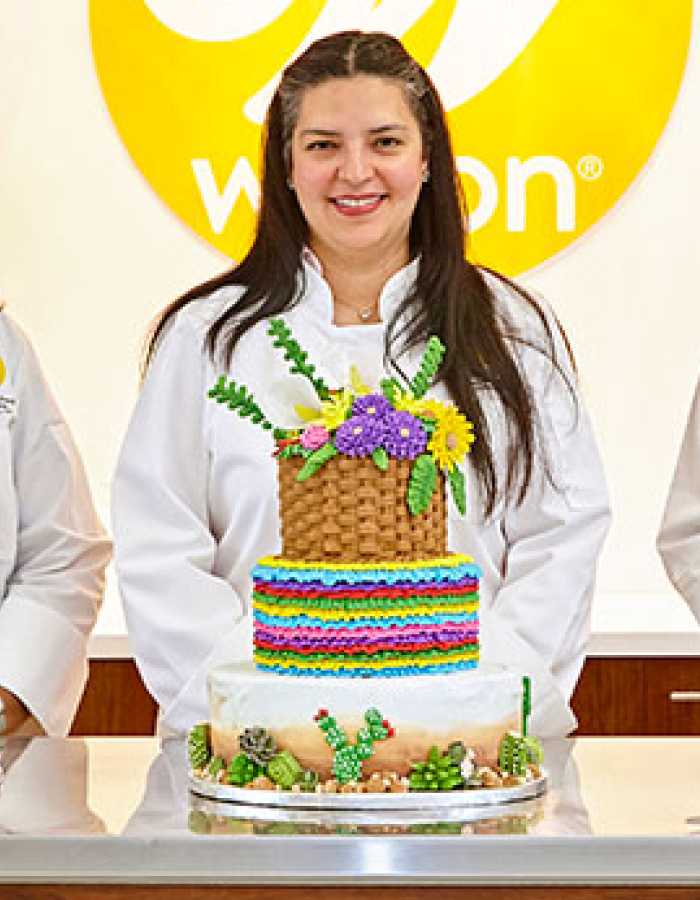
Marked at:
<point>347,762</point>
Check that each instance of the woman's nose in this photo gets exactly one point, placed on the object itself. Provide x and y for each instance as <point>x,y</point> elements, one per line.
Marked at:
<point>355,165</point>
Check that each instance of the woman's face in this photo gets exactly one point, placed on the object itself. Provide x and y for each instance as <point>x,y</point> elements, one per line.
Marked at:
<point>357,166</point>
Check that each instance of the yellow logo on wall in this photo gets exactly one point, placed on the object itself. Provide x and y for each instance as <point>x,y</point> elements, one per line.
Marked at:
<point>3,371</point>
<point>554,105</point>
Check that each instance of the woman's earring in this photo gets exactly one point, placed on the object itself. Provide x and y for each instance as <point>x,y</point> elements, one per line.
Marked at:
<point>426,176</point>
<point>290,184</point>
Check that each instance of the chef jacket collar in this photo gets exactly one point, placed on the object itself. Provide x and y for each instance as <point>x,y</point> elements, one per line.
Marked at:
<point>319,298</point>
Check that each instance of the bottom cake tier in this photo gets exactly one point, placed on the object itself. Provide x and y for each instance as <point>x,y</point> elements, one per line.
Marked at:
<point>474,707</point>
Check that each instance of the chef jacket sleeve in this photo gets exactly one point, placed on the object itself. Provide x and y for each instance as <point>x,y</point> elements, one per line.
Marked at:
<point>182,618</point>
<point>55,586</point>
<point>679,536</point>
<point>540,619</point>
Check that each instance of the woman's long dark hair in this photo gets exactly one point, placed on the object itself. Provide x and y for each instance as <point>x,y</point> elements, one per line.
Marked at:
<point>450,298</point>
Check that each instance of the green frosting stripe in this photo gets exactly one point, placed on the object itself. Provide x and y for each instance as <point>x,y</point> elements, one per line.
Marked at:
<point>411,656</point>
<point>345,605</point>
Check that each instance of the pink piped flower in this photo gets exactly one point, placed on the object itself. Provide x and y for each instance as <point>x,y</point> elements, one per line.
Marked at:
<point>314,436</point>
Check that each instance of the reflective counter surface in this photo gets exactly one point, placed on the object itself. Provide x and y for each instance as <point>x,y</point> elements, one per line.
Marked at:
<point>618,810</point>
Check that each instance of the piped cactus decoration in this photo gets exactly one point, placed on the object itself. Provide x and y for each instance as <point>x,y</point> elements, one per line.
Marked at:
<point>347,762</point>
<point>242,770</point>
<point>308,781</point>
<point>257,745</point>
<point>439,772</point>
<point>284,769</point>
<point>198,746</point>
<point>517,752</point>
<point>216,764</point>
<point>512,754</point>
<point>399,423</point>
<point>527,702</point>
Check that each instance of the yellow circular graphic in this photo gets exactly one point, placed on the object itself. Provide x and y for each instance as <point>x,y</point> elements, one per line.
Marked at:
<point>554,106</point>
<point>3,371</point>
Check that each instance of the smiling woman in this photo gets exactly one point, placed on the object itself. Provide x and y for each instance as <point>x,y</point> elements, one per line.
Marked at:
<point>357,166</point>
<point>360,244</point>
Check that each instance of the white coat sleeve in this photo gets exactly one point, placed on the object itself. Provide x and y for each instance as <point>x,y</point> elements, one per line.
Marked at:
<point>55,586</point>
<point>540,619</point>
<point>182,618</point>
<point>678,541</point>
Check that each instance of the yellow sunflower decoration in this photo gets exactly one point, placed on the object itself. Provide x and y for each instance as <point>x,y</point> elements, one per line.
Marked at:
<point>453,435</point>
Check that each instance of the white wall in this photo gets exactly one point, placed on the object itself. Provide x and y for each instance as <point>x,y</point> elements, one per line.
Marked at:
<point>88,254</point>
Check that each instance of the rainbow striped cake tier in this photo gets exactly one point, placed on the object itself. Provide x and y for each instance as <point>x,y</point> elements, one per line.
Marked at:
<point>385,619</point>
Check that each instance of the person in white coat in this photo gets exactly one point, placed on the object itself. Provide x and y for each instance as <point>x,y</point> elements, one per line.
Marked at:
<point>53,550</point>
<point>678,541</point>
<point>359,245</point>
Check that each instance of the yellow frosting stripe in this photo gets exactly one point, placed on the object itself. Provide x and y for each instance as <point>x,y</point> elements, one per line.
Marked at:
<point>442,562</point>
<point>346,662</point>
<point>333,615</point>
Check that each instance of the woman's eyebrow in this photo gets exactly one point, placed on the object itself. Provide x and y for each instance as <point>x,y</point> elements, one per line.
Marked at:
<point>328,132</point>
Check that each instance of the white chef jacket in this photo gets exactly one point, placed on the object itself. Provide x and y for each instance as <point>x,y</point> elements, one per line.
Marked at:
<point>678,541</point>
<point>195,503</point>
<point>53,550</point>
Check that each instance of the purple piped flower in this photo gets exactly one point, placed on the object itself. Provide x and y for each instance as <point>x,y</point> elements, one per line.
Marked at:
<point>372,405</point>
<point>359,436</point>
<point>404,436</point>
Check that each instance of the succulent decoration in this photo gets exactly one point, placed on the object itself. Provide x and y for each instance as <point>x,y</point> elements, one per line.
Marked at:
<point>398,423</point>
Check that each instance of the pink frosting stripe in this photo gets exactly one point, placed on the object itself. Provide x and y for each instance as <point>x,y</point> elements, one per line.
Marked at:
<point>294,634</point>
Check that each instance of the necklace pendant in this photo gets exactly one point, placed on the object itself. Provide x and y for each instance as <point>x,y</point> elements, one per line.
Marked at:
<point>365,314</point>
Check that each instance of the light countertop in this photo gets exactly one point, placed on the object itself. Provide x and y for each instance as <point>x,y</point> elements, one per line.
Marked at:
<point>618,810</point>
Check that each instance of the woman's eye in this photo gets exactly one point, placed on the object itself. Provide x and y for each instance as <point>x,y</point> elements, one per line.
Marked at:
<point>388,141</point>
<point>320,145</point>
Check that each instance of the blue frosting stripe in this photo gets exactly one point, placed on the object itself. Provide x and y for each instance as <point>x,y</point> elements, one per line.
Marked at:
<point>393,672</point>
<point>365,622</point>
<point>270,574</point>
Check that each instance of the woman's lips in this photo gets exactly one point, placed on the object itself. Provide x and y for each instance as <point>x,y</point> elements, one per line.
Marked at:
<point>357,205</point>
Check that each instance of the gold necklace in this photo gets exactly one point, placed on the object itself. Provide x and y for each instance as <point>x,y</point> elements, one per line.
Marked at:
<point>364,313</point>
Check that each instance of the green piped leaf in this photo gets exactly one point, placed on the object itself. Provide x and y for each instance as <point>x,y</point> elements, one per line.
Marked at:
<point>429,366</point>
<point>459,494</point>
<point>238,398</point>
<point>280,331</point>
<point>421,484</point>
<point>381,460</point>
<point>317,459</point>
<point>293,450</point>
<point>390,388</point>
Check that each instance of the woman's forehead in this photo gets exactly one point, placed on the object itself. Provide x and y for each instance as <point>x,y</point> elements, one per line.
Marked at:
<point>367,100</point>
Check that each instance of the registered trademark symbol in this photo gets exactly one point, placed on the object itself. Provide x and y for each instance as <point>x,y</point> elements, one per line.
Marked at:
<point>590,167</point>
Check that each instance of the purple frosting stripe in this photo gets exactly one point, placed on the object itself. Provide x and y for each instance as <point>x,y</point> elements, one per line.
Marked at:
<point>418,589</point>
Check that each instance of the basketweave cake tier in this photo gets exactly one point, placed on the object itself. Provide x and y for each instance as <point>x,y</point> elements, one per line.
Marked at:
<point>351,511</point>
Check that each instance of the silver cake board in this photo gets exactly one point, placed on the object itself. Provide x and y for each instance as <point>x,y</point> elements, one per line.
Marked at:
<point>436,801</point>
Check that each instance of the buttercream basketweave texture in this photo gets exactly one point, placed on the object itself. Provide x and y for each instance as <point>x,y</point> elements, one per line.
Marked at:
<point>356,513</point>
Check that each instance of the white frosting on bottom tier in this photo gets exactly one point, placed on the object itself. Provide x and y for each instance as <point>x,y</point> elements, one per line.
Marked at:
<point>476,707</point>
